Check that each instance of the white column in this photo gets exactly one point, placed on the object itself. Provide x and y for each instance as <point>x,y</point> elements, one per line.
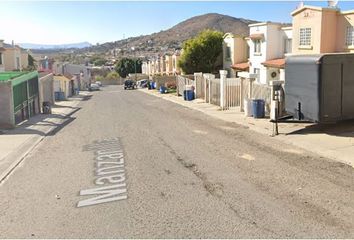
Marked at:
<point>223,75</point>
<point>197,84</point>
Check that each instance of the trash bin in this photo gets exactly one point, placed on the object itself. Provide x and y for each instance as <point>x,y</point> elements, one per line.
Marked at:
<point>185,94</point>
<point>189,95</point>
<point>47,108</point>
<point>258,108</point>
<point>163,89</point>
<point>247,105</point>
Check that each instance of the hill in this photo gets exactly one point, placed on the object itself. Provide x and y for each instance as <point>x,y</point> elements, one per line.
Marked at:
<point>54,46</point>
<point>170,39</point>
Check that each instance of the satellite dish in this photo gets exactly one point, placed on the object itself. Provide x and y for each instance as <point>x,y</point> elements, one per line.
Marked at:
<point>332,3</point>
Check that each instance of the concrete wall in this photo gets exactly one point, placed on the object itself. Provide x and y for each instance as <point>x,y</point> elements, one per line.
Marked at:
<point>24,60</point>
<point>344,20</point>
<point>328,32</point>
<point>7,119</point>
<point>161,80</point>
<point>46,89</point>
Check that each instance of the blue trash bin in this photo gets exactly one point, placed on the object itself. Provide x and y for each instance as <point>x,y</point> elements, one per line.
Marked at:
<point>163,89</point>
<point>189,95</point>
<point>258,108</point>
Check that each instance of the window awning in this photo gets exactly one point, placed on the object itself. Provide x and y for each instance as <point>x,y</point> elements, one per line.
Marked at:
<point>241,66</point>
<point>256,36</point>
<point>276,63</point>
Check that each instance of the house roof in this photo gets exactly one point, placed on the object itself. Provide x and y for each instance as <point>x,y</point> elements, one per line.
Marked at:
<point>312,8</point>
<point>61,78</point>
<point>241,66</point>
<point>257,36</point>
<point>276,63</point>
<point>17,77</point>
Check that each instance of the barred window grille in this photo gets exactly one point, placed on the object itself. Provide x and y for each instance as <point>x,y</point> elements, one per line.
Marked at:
<point>305,36</point>
<point>350,36</point>
<point>257,46</point>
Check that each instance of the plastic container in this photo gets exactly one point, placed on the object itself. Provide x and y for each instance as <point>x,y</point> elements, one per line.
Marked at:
<point>258,108</point>
<point>189,87</point>
<point>163,89</point>
<point>247,105</point>
<point>189,95</point>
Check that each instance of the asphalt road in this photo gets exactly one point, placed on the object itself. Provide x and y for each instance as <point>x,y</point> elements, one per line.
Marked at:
<point>185,175</point>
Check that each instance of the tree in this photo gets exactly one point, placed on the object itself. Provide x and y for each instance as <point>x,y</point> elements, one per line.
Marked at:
<point>127,65</point>
<point>202,53</point>
<point>112,76</point>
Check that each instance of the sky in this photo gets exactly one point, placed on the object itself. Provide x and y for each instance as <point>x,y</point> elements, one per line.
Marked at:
<point>50,22</point>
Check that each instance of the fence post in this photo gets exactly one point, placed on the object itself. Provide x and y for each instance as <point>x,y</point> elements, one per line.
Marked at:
<point>205,78</point>
<point>250,95</point>
<point>241,95</point>
<point>211,76</point>
<point>223,75</point>
<point>197,83</point>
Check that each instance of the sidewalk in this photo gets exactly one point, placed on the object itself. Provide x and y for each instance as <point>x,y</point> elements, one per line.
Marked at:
<point>16,143</point>
<point>335,142</point>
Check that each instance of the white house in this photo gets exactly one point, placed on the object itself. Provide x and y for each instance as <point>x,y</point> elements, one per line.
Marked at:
<point>268,43</point>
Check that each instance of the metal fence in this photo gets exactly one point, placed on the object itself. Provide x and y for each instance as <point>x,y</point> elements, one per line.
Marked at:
<point>232,93</point>
<point>214,91</point>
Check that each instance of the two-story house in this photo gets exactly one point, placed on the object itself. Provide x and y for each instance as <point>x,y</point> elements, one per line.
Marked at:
<point>322,30</point>
<point>2,50</point>
<point>175,68</point>
<point>235,51</point>
<point>13,58</point>
<point>268,43</point>
<point>168,64</point>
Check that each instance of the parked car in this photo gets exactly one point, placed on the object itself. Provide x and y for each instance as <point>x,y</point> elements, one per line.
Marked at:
<point>129,84</point>
<point>98,83</point>
<point>94,87</point>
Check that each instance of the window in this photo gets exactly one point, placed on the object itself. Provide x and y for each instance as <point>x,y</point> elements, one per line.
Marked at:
<point>305,36</point>
<point>228,52</point>
<point>349,41</point>
<point>287,45</point>
<point>257,46</point>
<point>257,71</point>
<point>0,58</point>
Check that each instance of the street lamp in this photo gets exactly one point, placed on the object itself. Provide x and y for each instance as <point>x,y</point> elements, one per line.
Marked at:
<point>133,49</point>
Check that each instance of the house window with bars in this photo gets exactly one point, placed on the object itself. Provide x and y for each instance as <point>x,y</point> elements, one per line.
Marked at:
<point>305,36</point>
<point>257,46</point>
<point>228,52</point>
<point>349,41</point>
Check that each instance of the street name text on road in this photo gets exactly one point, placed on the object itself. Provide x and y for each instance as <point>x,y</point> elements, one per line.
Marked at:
<point>109,172</point>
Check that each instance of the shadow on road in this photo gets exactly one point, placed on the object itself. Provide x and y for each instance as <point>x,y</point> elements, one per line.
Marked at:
<point>42,123</point>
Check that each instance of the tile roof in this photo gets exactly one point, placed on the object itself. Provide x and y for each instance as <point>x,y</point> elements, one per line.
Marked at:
<point>256,36</point>
<point>277,63</point>
<point>241,66</point>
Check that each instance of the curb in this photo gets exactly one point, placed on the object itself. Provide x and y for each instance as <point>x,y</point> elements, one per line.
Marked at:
<point>16,157</point>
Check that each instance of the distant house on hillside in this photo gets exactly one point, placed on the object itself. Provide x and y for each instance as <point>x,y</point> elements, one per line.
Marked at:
<point>12,57</point>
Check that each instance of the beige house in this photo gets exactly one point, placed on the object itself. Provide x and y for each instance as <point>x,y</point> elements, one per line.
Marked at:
<point>175,68</point>
<point>322,30</point>
<point>12,57</point>
<point>168,64</point>
<point>235,51</point>
<point>2,50</point>
<point>162,65</point>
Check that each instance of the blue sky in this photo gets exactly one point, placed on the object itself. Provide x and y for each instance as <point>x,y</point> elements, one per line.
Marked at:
<point>68,22</point>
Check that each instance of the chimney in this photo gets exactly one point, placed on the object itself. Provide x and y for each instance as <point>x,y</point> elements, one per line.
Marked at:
<point>1,43</point>
<point>13,43</point>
